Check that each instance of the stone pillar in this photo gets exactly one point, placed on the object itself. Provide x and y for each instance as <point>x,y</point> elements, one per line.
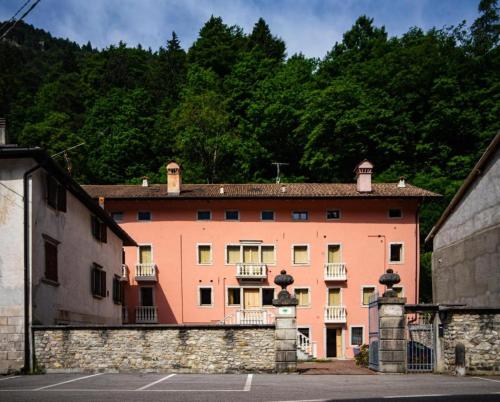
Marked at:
<point>286,326</point>
<point>392,324</point>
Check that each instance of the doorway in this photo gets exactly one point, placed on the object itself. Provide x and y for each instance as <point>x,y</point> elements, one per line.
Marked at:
<point>147,298</point>
<point>251,298</point>
<point>334,342</point>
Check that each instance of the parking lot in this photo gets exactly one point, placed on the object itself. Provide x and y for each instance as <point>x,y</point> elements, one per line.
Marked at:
<point>245,387</point>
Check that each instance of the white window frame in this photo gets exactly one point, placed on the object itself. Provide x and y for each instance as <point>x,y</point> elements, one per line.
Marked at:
<point>300,212</point>
<point>262,296</point>
<point>241,245</point>
<point>394,217</point>
<point>268,220</point>
<point>203,210</point>
<point>145,220</point>
<point>308,263</point>
<point>362,336</point>
<point>333,219</point>
<point>230,210</point>
<point>211,305</point>
<point>341,251</point>
<point>227,296</point>
<point>341,295</point>
<point>367,287</point>
<point>139,297</point>
<point>308,288</point>
<point>402,260</point>
<point>139,252</point>
<point>198,254</point>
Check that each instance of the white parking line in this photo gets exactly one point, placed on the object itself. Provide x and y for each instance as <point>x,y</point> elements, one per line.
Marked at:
<point>486,379</point>
<point>412,396</point>
<point>66,382</point>
<point>248,383</point>
<point>155,382</point>
<point>10,378</point>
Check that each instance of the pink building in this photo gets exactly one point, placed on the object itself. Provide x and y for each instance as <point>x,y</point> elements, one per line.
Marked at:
<point>208,253</point>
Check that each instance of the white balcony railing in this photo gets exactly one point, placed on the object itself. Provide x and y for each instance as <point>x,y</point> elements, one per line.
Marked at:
<point>248,317</point>
<point>335,271</point>
<point>145,272</point>
<point>124,273</point>
<point>146,315</point>
<point>335,314</point>
<point>251,271</point>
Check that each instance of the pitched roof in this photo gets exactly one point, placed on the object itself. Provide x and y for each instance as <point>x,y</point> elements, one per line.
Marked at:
<point>256,191</point>
<point>476,171</point>
<point>47,163</point>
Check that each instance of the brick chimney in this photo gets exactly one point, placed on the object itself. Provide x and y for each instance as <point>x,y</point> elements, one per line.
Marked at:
<point>174,178</point>
<point>364,176</point>
<point>3,132</point>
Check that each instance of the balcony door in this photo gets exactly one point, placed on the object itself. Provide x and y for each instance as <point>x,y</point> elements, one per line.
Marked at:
<point>333,342</point>
<point>145,255</point>
<point>251,298</point>
<point>334,297</point>
<point>334,254</point>
<point>250,254</point>
<point>147,298</point>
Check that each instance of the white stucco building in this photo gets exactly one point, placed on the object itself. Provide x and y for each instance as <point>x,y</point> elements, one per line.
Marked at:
<point>61,259</point>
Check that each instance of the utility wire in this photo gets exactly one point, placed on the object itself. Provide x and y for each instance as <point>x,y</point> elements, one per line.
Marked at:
<point>14,16</point>
<point>22,16</point>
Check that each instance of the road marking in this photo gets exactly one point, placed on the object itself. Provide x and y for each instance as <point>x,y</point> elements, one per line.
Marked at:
<point>248,383</point>
<point>486,379</point>
<point>305,400</point>
<point>155,382</point>
<point>413,396</point>
<point>66,382</point>
<point>123,390</point>
<point>9,378</point>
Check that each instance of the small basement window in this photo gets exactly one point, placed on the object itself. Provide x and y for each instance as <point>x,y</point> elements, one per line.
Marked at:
<point>143,216</point>
<point>333,214</point>
<point>395,213</point>
<point>267,215</point>
<point>232,215</point>
<point>300,215</point>
<point>204,215</point>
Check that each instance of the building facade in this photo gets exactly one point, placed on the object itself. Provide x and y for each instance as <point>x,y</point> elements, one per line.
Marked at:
<point>61,259</point>
<point>209,253</point>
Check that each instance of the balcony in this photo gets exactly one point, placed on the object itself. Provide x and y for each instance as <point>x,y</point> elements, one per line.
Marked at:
<point>335,314</point>
<point>146,272</point>
<point>248,317</point>
<point>146,315</point>
<point>251,271</point>
<point>125,271</point>
<point>335,272</point>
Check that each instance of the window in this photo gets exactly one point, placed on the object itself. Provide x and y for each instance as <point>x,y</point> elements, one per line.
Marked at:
<point>250,254</point>
<point>204,254</point>
<point>145,254</point>
<point>304,331</point>
<point>334,256</point>
<point>334,297</point>
<point>300,255</point>
<point>56,194</point>
<point>233,297</point>
<point>147,297</point>
<point>302,296</point>
<point>117,290</point>
<point>368,292</point>
<point>232,215</point>
<point>395,213</point>
<point>117,216</point>
<point>99,229</point>
<point>267,215</point>
<point>333,214</point>
<point>204,215</point>
<point>356,336</point>
<point>398,290</point>
<point>300,215</point>
<point>143,216</point>
<point>205,296</point>
<point>267,297</point>
<point>98,281</point>
<point>51,259</point>
<point>396,253</point>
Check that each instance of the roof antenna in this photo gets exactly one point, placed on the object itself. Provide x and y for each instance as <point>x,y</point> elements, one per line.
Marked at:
<point>278,164</point>
<point>66,157</point>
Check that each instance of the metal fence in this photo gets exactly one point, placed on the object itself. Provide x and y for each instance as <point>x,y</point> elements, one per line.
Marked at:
<point>420,355</point>
<point>373,332</point>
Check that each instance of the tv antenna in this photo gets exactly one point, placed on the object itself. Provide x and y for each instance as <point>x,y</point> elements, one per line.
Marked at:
<point>278,164</point>
<point>66,157</point>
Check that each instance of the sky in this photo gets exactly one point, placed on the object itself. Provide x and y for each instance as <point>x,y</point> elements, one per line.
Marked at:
<point>308,26</point>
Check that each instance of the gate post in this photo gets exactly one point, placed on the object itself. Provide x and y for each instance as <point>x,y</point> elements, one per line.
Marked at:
<point>392,344</point>
<point>286,326</point>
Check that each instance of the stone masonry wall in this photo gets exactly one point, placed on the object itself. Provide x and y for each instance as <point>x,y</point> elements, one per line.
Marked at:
<point>480,333</point>
<point>11,339</point>
<point>181,349</point>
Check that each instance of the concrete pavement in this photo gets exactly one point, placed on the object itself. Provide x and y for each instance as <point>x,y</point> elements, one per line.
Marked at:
<point>246,387</point>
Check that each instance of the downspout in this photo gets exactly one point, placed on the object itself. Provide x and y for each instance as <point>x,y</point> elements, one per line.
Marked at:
<point>27,283</point>
<point>182,285</point>
<point>417,254</point>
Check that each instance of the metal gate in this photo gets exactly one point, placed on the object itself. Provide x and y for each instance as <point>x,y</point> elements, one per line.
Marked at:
<point>420,355</point>
<point>373,333</point>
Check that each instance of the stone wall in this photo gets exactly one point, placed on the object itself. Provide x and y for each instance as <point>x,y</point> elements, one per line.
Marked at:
<point>11,339</point>
<point>166,348</point>
<point>479,331</point>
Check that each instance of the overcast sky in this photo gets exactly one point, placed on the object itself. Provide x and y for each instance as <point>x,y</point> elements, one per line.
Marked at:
<point>307,26</point>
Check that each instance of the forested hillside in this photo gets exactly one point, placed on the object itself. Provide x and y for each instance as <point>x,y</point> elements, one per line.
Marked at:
<point>423,105</point>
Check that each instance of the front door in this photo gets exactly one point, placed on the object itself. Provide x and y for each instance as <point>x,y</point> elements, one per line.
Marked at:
<point>251,298</point>
<point>331,342</point>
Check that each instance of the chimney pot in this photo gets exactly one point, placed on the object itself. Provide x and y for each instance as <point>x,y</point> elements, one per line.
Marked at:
<point>174,178</point>
<point>221,190</point>
<point>145,182</point>
<point>364,176</point>
<point>283,188</point>
<point>402,183</point>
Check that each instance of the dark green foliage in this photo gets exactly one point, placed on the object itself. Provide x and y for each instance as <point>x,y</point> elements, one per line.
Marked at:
<point>362,358</point>
<point>424,105</point>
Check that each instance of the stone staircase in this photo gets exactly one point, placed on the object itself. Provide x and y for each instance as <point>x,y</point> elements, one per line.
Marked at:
<point>306,349</point>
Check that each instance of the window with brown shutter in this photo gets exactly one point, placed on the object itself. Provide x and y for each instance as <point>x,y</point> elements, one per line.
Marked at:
<point>56,194</point>
<point>61,198</point>
<point>98,281</point>
<point>99,229</point>
<point>51,261</point>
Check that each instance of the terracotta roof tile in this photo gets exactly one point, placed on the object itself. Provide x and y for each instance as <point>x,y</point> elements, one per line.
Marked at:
<point>268,190</point>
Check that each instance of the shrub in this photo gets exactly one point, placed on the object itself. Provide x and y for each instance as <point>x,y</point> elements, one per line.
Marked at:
<point>362,357</point>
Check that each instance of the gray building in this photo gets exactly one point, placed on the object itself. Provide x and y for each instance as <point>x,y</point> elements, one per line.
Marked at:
<point>61,260</point>
<point>466,239</point>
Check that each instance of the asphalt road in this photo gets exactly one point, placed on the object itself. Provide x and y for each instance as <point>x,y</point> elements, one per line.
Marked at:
<point>246,387</point>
